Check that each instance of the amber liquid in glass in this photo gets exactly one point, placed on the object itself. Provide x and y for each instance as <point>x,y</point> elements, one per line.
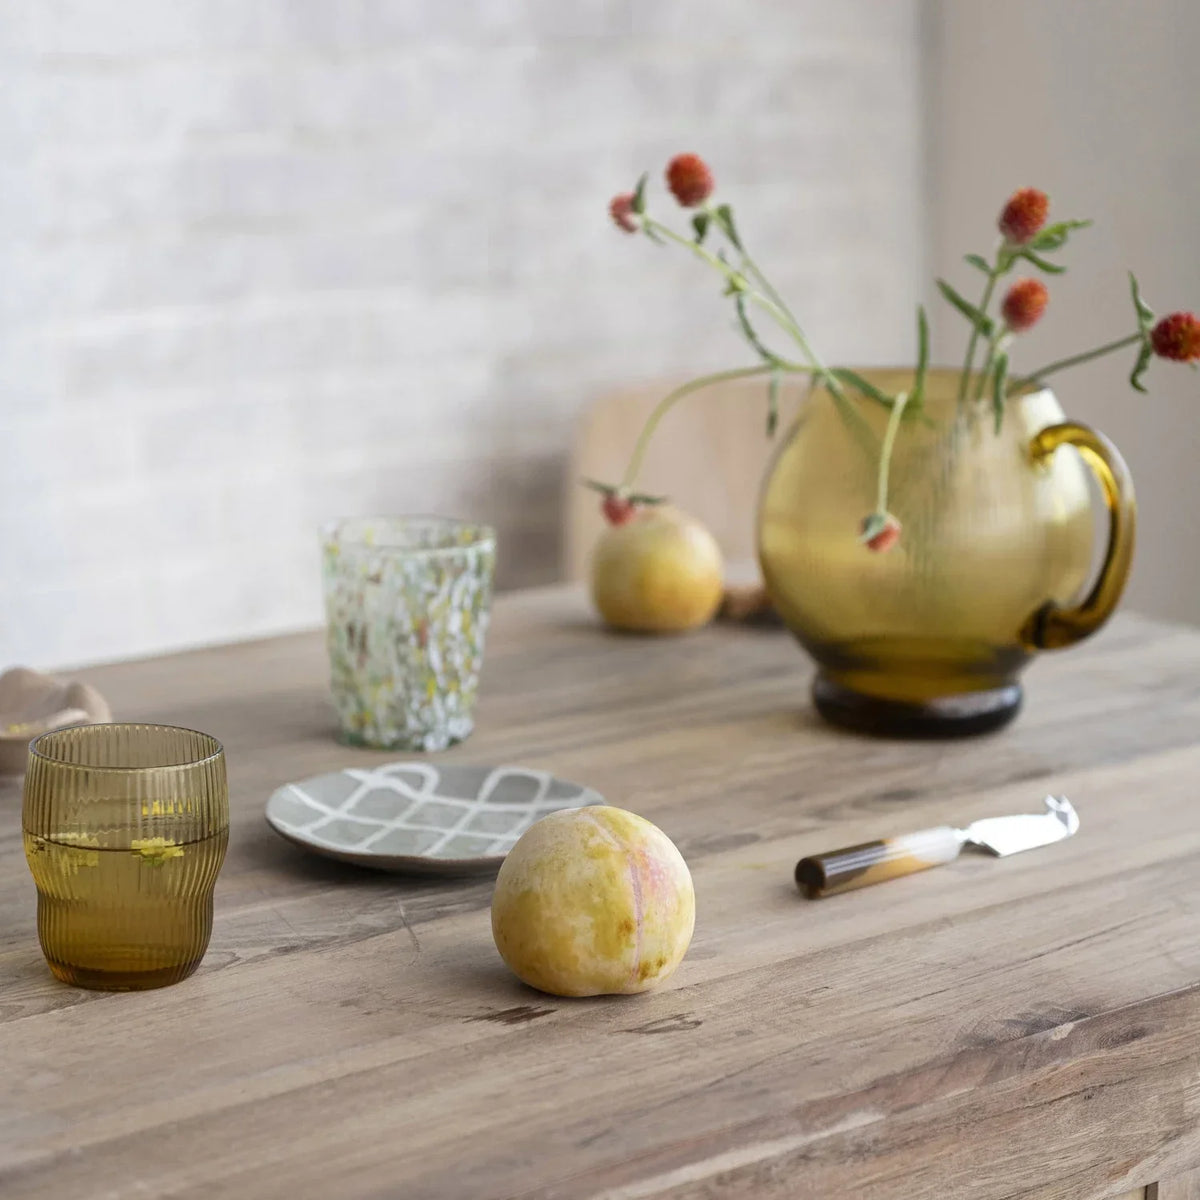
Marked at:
<point>124,919</point>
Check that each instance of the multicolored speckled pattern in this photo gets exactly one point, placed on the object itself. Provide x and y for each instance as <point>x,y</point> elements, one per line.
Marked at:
<point>407,602</point>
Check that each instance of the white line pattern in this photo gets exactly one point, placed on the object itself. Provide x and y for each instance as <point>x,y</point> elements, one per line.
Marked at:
<point>330,819</point>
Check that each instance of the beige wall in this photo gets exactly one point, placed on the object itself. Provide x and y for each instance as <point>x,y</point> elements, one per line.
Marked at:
<point>253,279</point>
<point>1098,102</point>
<point>266,263</point>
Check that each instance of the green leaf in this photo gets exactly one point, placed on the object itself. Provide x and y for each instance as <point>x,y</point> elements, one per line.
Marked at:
<point>1145,319</point>
<point>735,282</point>
<point>1145,314</point>
<point>654,237</point>
<point>977,260</point>
<point>751,335</point>
<point>1145,354</point>
<point>922,340</point>
<point>873,524</point>
<point>608,489</point>
<point>982,323</point>
<point>917,399</point>
<point>773,403</point>
<point>999,388</point>
<point>724,216</point>
<point>700,225</point>
<point>856,381</point>
<point>1055,236</point>
<point>639,194</point>
<point>1041,263</point>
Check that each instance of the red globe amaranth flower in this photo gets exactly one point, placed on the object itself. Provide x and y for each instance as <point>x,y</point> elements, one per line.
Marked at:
<point>690,180</point>
<point>620,208</point>
<point>617,510</point>
<point>880,532</point>
<point>1177,337</point>
<point>1024,215</point>
<point>1024,304</point>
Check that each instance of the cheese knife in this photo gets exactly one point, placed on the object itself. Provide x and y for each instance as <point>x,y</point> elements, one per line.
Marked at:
<point>873,862</point>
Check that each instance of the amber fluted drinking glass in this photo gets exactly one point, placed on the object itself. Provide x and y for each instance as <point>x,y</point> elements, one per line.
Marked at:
<point>125,831</point>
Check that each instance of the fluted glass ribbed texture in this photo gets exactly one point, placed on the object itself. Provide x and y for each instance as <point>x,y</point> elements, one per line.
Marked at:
<point>994,536</point>
<point>125,831</point>
<point>407,600</point>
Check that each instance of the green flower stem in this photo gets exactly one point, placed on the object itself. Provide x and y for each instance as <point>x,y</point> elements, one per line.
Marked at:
<point>1075,359</point>
<point>831,381</point>
<point>767,286</point>
<point>885,453</point>
<point>973,341</point>
<point>999,338</point>
<point>734,277</point>
<point>672,398</point>
<point>764,352</point>
<point>854,419</point>
<point>778,311</point>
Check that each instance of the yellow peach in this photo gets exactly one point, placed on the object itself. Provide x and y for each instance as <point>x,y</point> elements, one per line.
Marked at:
<point>592,901</point>
<point>659,572</point>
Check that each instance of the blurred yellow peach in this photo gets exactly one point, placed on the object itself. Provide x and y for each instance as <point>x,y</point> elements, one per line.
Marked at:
<point>659,572</point>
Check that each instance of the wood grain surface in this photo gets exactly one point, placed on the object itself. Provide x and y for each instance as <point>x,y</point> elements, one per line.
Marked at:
<point>1182,1187</point>
<point>1012,1029</point>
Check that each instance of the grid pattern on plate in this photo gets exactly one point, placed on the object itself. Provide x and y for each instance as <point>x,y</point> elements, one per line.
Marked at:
<point>435,817</point>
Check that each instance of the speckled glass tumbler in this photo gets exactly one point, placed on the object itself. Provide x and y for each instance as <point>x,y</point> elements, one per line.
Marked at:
<point>407,601</point>
<point>125,830</point>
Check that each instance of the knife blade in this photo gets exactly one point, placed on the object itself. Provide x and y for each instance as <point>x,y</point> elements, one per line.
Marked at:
<point>873,862</point>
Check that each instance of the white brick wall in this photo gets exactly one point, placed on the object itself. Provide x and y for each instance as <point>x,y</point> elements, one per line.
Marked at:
<point>264,262</point>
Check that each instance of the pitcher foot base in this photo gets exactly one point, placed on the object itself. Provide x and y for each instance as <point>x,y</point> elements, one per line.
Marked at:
<point>963,715</point>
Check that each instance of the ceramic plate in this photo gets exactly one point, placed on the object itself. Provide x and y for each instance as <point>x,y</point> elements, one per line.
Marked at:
<point>415,816</point>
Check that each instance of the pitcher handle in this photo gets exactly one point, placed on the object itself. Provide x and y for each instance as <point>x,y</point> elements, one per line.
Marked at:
<point>1052,627</point>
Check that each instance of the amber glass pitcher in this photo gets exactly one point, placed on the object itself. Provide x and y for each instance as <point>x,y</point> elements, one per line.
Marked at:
<point>929,638</point>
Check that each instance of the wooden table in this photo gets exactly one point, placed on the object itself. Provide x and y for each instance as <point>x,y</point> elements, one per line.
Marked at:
<point>1019,1028</point>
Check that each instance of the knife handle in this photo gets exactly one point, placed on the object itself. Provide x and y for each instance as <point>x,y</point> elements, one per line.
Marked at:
<point>873,862</point>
